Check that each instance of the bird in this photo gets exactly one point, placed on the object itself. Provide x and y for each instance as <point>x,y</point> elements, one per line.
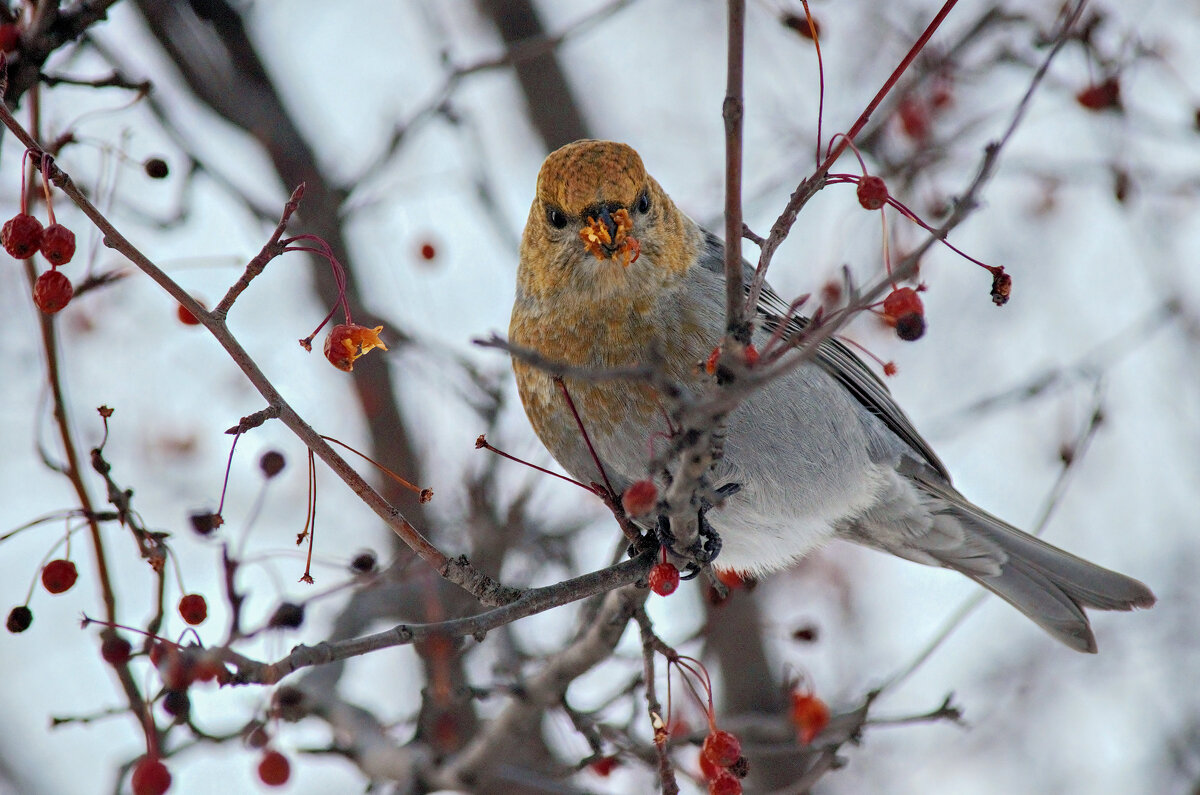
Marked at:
<point>610,269</point>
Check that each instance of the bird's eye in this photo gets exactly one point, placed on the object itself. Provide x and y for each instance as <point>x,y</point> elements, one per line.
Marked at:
<point>556,217</point>
<point>643,203</point>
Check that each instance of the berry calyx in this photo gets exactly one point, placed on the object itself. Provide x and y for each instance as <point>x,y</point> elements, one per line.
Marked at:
<point>722,748</point>
<point>725,783</point>
<point>58,244</point>
<point>664,578</point>
<point>59,575</point>
<point>903,310</point>
<point>150,777</point>
<point>872,192</point>
<point>274,769</point>
<point>19,619</point>
<point>115,650</point>
<point>21,235</point>
<point>640,497</point>
<point>193,608</point>
<point>52,291</point>
<point>809,714</point>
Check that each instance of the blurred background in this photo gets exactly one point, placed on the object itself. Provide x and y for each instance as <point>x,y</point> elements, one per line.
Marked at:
<point>418,128</point>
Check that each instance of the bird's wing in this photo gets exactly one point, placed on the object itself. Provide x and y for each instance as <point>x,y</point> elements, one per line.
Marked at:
<point>838,360</point>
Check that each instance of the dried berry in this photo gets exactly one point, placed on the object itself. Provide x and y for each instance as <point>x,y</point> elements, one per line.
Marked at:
<point>59,575</point>
<point>722,748</point>
<point>52,291</point>
<point>348,341</point>
<point>872,192</point>
<point>115,650</point>
<point>274,769</point>
<point>1001,287</point>
<point>19,619</point>
<point>204,523</point>
<point>150,777</point>
<point>177,704</point>
<point>156,168</point>
<point>58,244</point>
<point>664,578</point>
<point>21,235</point>
<point>271,463</point>
<point>193,608</point>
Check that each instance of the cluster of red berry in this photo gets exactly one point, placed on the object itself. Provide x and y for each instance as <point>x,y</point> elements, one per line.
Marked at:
<point>23,235</point>
<point>722,763</point>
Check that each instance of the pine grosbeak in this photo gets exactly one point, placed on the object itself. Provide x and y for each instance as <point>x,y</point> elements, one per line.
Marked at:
<point>610,269</point>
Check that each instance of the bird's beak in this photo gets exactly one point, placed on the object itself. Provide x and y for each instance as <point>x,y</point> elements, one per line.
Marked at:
<point>606,235</point>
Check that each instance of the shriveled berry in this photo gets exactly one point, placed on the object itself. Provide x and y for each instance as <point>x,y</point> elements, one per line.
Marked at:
<point>156,168</point>
<point>193,608</point>
<point>810,716</point>
<point>872,192</point>
<point>1001,287</point>
<point>52,291</point>
<point>640,498</point>
<point>274,769</point>
<point>19,619</point>
<point>272,463</point>
<point>664,578</point>
<point>21,235</point>
<point>205,522</point>
<point>115,650</point>
<point>725,783</point>
<point>722,747</point>
<point>177,704</point>
<point>288,615</point>
<point>58,244</point>
<point>59,575</point>
<point>150,777</point>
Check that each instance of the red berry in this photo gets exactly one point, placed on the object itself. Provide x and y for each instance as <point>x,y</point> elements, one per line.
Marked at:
<point>914,118</point>
<point>274,769</point>
<point>115,650</point>
<point>193,608</point>
<point>19,619</point>
<point>10,36</point>
<point>428,251</point>
<point>730,578</point>
<point>640,498</point>
<point>664,578</point>
<point>810,716</point>
<point>604,765</point>
<point>59,575</point>
<point>150,777</point>
<point>722,748</point>
<point>872,192</point>
<point>21,235</point>
<point>1100,96</point>
<point>186,317</point>
<point>709,769</point>
<point>904,310</point>
<point>52,291</point>
<point>58,244</point>
<point>725,784</point>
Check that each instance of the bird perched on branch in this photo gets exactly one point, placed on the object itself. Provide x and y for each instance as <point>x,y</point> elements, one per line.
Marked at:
<point>610,270</point>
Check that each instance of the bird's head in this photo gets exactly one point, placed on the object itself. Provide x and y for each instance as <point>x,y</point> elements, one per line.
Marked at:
<point>600,222</point>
